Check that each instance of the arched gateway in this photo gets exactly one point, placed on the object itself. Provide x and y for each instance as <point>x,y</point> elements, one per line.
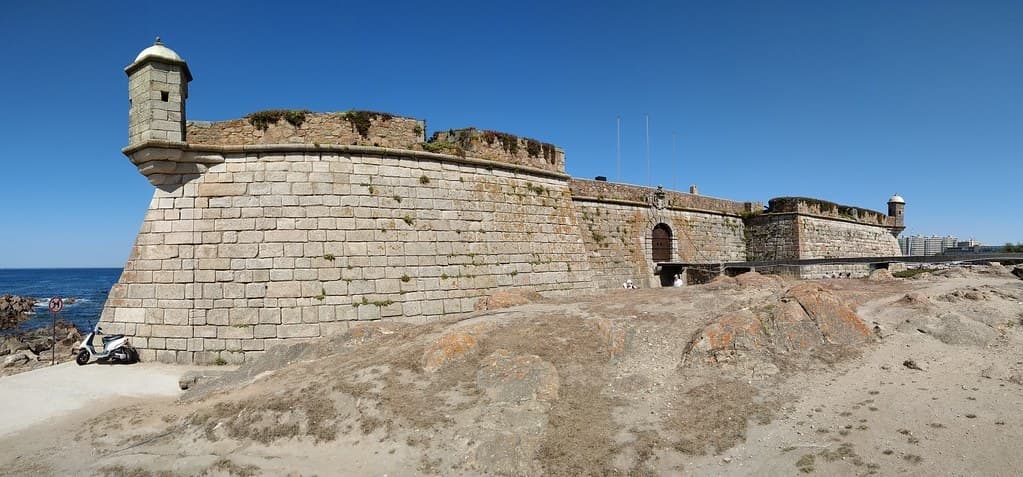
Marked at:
<point>661,243</point>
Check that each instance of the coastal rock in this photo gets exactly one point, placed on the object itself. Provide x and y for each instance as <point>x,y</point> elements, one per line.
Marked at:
<point>11,345</point>
<point>20,358</point>
<point>14,309</point>
<point>40,344</point>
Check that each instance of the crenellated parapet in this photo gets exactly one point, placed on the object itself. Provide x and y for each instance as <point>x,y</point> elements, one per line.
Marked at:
<point>823,208</point>
<point>500,147</point>
<point>583,189</point>
<point>288,126</point>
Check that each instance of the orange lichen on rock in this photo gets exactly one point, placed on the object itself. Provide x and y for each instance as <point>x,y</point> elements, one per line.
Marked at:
<point>506,298</point>
<point>615,336</point>
<point>449,348</point>
<point>837,322</point>
<point>804,318</point>
<point>454,345</point>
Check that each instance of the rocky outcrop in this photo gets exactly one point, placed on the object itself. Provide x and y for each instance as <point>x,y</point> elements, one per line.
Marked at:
<point>28,350</point>
<point>881,275</point>
<point>21,357</point>
<point>14,309</point>
<point>805,317</point>
<point>454,345</point>
<point>507,298</point>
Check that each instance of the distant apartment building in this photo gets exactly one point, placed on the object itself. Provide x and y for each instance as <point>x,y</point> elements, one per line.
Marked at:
<point>919,245</point>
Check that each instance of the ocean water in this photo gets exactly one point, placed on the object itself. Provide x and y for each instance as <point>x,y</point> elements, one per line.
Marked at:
<point>88,286</point>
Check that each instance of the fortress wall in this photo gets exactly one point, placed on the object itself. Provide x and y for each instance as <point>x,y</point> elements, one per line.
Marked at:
<point>384,130</point>
<point>501,147</point>
<point>780,236</point>
<point>772,237</point>
<point>822,208</point>
<point>273,246</point>
<point>613,235</point>
<point>824,238</point>
<point>624,192</point>
<point>617,235</point>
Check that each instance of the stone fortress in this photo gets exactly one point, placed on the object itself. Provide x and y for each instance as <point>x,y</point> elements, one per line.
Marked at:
<point>290,224</point>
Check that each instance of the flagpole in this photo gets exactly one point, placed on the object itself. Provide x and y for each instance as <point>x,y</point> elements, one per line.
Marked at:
<point>674,164</point>
<point>649,173</point>
<point>619,149</point>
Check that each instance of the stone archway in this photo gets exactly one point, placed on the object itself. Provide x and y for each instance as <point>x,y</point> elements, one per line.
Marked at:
<point>660,243</point>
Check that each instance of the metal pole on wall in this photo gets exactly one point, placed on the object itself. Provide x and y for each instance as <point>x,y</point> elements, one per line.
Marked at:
<point>619,148</point>
<point>674,169</point>
<point>649,174</point>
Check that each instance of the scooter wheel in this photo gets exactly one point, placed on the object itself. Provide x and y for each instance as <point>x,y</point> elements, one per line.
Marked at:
<point>83,357</point>
<point>133,356</point>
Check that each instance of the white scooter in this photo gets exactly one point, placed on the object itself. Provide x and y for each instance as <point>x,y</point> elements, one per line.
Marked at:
<point>115,347</point>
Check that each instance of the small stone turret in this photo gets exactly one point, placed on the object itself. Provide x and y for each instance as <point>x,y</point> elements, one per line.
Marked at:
<point>896,211</point>
<point>157,88</point>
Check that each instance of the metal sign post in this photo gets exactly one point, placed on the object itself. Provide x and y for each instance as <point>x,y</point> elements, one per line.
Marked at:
<point>56,305</point>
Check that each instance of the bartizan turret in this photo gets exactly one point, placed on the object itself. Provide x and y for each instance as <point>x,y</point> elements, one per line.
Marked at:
<point>896,213</point>
<point>157,89</point>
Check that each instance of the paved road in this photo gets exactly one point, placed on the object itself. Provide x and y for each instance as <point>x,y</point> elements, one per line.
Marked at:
<point>35,396</point>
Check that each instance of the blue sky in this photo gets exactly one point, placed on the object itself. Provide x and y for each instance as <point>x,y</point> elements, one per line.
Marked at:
<point>849,101</point>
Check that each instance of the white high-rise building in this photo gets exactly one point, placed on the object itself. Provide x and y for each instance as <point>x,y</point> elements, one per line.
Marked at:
<point>919,245</point>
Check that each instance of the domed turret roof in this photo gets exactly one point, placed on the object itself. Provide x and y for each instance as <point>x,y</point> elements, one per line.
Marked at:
<point>896,199</point>
<point>158,50</point>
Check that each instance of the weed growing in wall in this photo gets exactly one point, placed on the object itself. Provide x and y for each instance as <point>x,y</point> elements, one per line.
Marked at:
<point>329,257</point>
<point>362,120</point>
<point>263,119</point>
<point>424,180</point>
<point>538,190</point>
<point>509,142</point>
<point>441,147</point>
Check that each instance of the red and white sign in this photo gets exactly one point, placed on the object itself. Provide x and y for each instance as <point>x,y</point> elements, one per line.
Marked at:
<point>56,304</point>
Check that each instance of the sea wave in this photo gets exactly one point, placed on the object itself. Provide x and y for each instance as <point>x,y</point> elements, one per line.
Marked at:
<point>45,302</point>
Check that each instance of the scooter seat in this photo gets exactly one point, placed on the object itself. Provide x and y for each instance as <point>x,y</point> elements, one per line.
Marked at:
<point>109,338</point>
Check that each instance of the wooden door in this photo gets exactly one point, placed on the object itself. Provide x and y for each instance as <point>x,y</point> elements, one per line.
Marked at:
<point>661,243</point>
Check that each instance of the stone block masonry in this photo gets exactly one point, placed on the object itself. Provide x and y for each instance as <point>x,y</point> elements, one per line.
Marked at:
<point>619,240</point>
<point>289,225</point>
<point>363,128</point>
<point>265,247</point>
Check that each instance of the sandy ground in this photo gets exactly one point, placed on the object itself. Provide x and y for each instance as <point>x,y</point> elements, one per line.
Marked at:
<point>28,399</point>
<point>611,384</point>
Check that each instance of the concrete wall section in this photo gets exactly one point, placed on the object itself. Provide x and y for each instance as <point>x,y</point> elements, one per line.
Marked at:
<point>275,246</point>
